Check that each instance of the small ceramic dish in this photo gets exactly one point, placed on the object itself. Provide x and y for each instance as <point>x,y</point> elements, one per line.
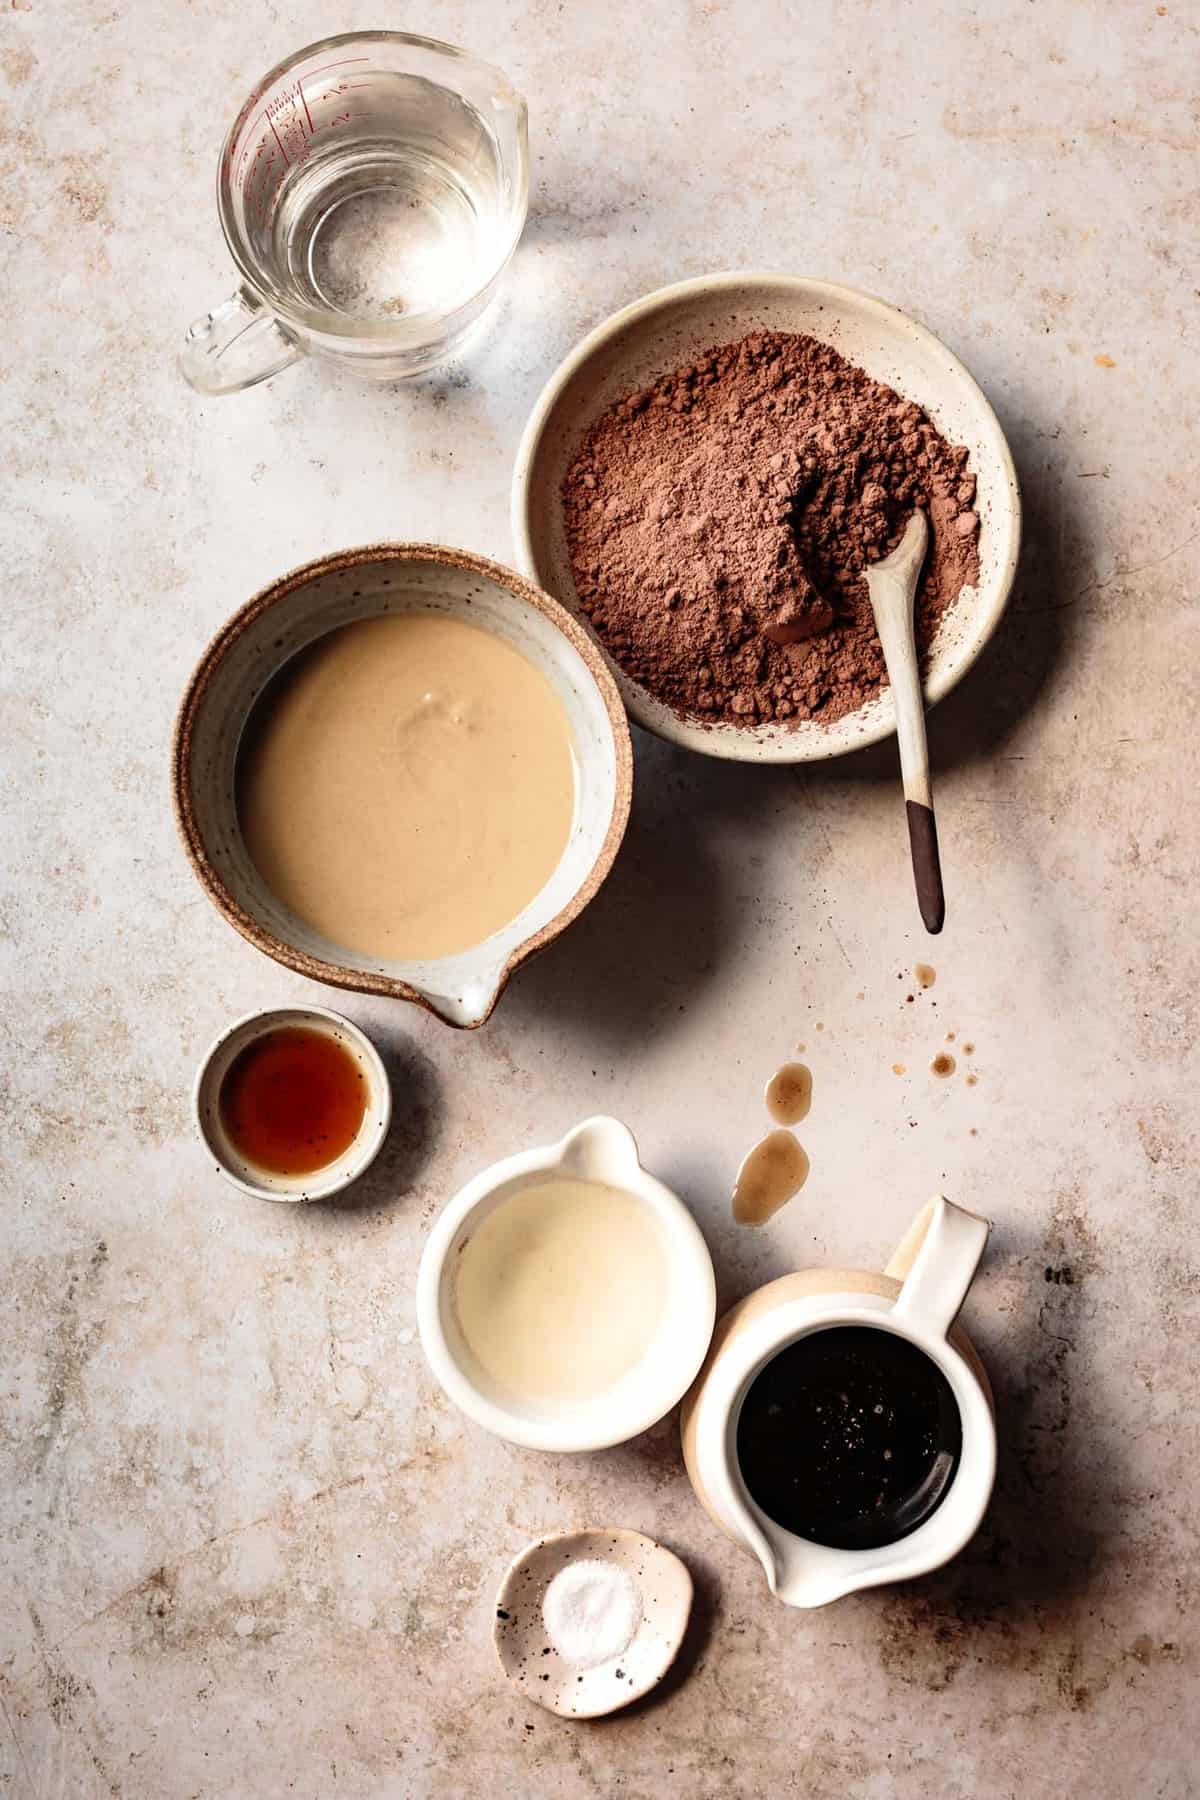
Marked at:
<point>604,1151</point>
<point>665,331</point>
<point>318,1184</point>
<point>356,584</point>
<point>535,1667</point>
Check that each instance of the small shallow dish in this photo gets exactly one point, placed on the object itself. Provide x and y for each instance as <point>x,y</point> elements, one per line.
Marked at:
<point>665,331</point>
<point>604,1151</point>
<point>317,1184</point>
<point>360,584</point>
<point>530,1660</point>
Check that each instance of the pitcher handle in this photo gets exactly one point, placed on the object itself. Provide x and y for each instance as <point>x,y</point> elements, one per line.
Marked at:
<point>936,1262</point>
<point>236,344</point>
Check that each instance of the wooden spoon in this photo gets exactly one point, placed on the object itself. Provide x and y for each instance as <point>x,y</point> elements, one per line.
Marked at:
<point>892,584</point>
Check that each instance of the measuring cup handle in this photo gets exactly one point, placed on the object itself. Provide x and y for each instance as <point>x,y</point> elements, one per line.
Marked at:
<point>236,344</point>
<point>936,1262</point>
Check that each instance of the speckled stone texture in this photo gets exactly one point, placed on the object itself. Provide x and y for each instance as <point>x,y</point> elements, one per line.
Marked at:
<point>247,1549</point>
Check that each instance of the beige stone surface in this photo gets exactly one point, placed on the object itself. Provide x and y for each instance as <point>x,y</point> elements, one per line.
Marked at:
<point>247,1549</point>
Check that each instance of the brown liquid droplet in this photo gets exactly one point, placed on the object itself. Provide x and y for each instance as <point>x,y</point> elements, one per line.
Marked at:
<point>789,1094</point>
<point>968,1049</point>
<point>971,1080</point>
<point>897,1068</point>
<point>820,1027</point>
<point>950,1035</point>
<point>943,1064</point>
<point>974,1131</point>
<point>925,975</point>
<point>770,1175</point>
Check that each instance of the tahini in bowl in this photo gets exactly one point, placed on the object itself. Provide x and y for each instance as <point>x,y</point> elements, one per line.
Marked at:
<point>293,613</point>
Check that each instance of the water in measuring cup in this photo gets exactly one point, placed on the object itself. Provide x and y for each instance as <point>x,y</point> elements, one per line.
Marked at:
<point>397,207</point>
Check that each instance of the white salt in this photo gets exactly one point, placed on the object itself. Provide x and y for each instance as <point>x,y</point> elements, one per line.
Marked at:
<point>591,1610</point>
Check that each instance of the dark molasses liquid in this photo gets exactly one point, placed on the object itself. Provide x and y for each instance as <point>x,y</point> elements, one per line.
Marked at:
<point>849,1437</point>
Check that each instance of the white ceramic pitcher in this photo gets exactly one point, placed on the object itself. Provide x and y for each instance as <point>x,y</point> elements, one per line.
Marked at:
<point>918,1297</point>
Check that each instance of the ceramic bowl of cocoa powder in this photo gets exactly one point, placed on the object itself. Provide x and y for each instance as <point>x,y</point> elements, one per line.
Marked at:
<point>706,476</point>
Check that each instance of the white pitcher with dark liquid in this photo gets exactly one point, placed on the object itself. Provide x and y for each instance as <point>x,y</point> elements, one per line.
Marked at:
<point>842,1426</point>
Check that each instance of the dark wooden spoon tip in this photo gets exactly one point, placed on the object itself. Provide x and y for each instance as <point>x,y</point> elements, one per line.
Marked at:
<point>927,867</point>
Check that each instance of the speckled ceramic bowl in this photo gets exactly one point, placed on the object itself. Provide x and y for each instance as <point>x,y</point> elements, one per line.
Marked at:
<point>317,1184</point>
<point>530,1660</point>
<point>663,332</point>
<point>355,584</point>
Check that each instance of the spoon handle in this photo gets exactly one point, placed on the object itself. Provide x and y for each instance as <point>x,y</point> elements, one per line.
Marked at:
<point>892,600</point>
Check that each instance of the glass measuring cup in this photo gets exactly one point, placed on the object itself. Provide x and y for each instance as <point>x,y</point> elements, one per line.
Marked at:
<point>371,190</point>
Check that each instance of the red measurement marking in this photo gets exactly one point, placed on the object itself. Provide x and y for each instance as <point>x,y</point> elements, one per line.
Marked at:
<point>282,151</point>
<point>253,181</point>
<point>241,170</point>
<point>344,64</point>
<point>281,115</point>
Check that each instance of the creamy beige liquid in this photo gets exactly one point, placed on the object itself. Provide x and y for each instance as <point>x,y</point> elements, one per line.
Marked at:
<point>407,785</point>
<point>561,1290</point>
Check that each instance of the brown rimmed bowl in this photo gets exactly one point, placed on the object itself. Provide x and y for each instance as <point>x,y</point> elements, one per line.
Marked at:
<point>284,619</point>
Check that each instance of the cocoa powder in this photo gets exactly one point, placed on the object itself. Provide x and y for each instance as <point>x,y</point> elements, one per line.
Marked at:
<point>719,524</point>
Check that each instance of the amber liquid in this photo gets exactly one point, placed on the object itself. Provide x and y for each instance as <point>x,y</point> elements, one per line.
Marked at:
<point>293,1101</point>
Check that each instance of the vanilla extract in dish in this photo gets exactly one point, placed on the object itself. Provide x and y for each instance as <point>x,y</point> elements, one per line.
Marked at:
<point>293,1100</point>
<point>849,1437</point>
